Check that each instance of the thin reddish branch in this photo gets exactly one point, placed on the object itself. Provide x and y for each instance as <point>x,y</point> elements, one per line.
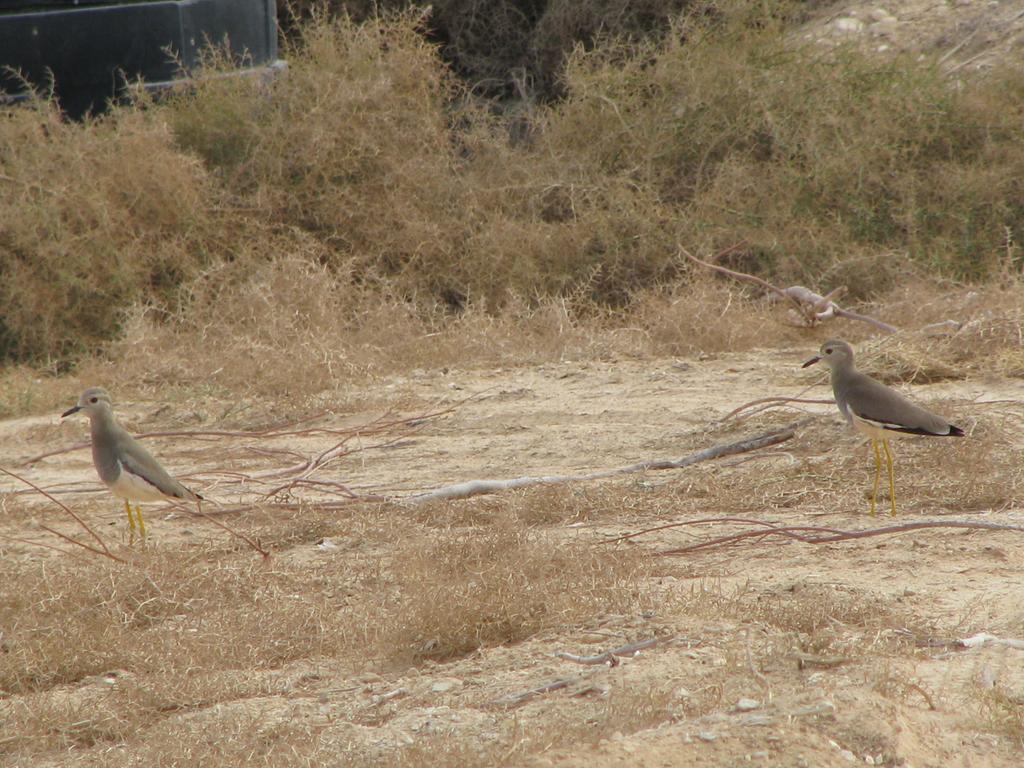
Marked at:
<point>826,535</point>
<point>104,550</point>
<point>766,400</point>
<point>255,545</point>
<point>744,277</point>
<point>373,427</point>
<point>44,545</point>
<point>699,521</point>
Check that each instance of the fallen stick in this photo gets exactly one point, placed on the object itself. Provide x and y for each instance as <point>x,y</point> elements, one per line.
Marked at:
<point>804,659</point>
<point>827,535</point>
<point>699,521</point>
<point>811,307</point>
<point>255,544</point>
<point>479,487</point>
<point>515,699</point>
<point>984,638</point>
<point>609,657</point>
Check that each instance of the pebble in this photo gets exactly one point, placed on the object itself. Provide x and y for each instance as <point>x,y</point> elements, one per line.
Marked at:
<point>745,705</point>
<point>848,25</point>
<point>883,28</point>
<point>443,686</point>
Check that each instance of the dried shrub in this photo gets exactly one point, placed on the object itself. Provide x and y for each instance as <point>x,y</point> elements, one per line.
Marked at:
<point>801,155</point>
<point>361,203</point>
<point>98,216</point>
<point>463,590</point>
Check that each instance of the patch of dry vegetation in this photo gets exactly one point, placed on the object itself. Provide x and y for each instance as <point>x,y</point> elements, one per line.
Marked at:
<point>98,217</point>
<point>472,590</point>
<point>1003,713</point>
<point>817,618</point>
<point>95,652</point>
<point>364,212</point>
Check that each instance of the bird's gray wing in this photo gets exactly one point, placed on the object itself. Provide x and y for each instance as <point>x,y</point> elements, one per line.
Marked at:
<point>872,401</point>
<point>139,462</point>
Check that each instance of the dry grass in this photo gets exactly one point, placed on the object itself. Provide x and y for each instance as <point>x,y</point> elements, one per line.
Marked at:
<point>816,618</point>
<point>101,216</point>
<point>363,218</point>
<point>370,190</point>
<point>468,591</point>
<point>1002,713</point>
<point>117,649</point>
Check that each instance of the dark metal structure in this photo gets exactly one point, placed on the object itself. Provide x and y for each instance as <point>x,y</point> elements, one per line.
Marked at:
<point>92,50</point>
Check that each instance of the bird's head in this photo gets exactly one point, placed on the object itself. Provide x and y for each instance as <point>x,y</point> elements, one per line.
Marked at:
<point>833,353</point>
<point>93,401</point>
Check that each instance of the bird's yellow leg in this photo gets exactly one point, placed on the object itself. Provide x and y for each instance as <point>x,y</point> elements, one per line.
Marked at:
<point>131,522</point>
<point>142,523</point>
<point>878,476</point>
<point>892,476</point>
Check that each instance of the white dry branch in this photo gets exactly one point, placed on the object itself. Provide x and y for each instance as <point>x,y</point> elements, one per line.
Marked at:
<point>809,308</point>
<point>478,487</point>
<point>611,657</point>
<point>984,638</point>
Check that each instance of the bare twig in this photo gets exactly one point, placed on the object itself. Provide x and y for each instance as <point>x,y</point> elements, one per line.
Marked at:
<point>478,487</point>
<point>682,523</point>
<point>773,400</point>
<point>812,308</point>
<point>256,545</point>
<point>984,638</point>
<point>927,697</point>
<point>378,425</point>
<point>744,277</point>
<point>823,535</point>
<point>609,657</point>
<point>44,545</point>
<point>88,547</point>
<point>758,675</point>
<point>804,659</point>
<point>103,549</point>
<point>277,431</point>
<point>515,699</point>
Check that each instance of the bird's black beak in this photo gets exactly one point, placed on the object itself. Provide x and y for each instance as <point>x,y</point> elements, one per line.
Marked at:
<point>70,411</point>
<point>812,361</point>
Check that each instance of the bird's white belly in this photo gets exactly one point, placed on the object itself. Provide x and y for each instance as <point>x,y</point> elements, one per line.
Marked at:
<point>873,430</point>
<point>134,488</point>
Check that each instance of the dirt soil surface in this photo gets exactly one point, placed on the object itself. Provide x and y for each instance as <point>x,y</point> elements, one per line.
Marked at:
<point>968,37</point>
<point>772,651</point>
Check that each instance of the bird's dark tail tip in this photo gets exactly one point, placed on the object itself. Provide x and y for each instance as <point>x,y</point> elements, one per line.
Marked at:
<point>955,431</point>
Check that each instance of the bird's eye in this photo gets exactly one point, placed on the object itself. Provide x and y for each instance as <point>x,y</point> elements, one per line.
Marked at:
<point>828,351</point>
<point>94,400</point>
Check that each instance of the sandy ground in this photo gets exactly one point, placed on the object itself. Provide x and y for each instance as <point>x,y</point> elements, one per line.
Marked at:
<point>968,37</point>
<point>775,652</point>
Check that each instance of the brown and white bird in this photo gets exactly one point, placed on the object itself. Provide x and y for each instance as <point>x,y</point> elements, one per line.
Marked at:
<point>877,411</point>
<point>125,467</point>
